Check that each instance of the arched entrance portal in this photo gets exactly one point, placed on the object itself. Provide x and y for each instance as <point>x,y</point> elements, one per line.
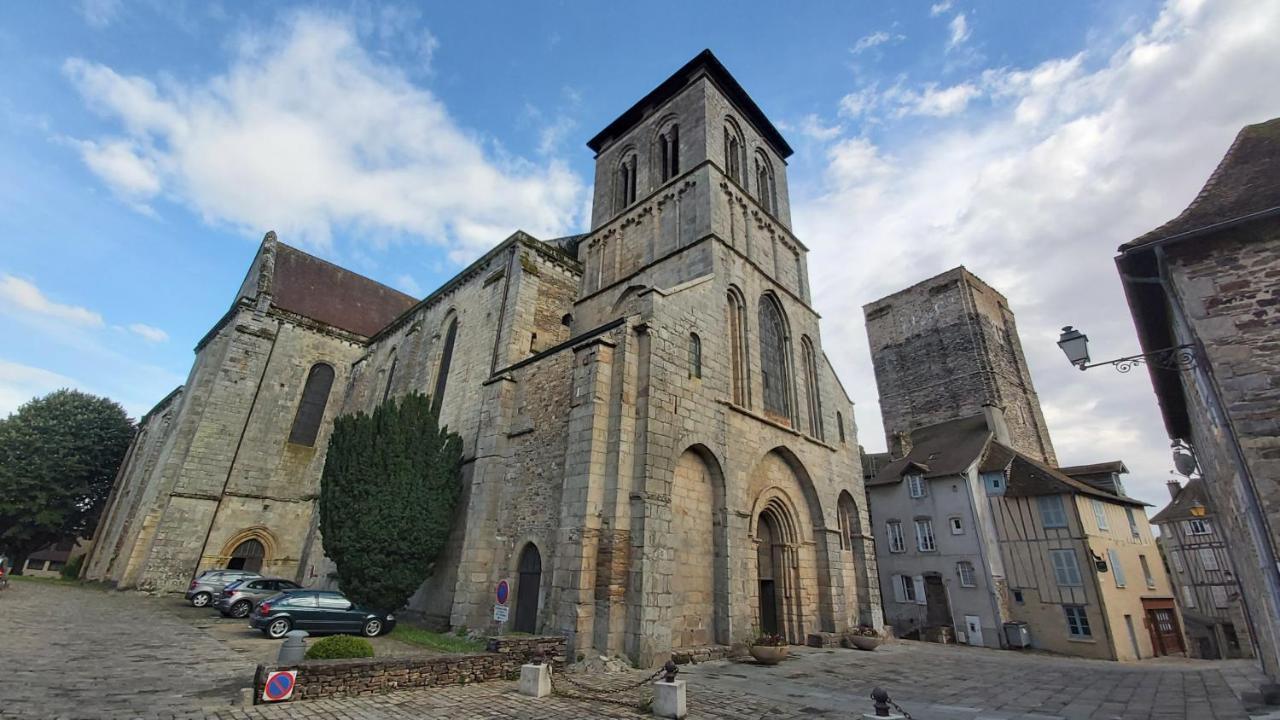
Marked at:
<point>766,534</point>
<point>247,556</point>
<point>781,594</point>
<point>527,589</point>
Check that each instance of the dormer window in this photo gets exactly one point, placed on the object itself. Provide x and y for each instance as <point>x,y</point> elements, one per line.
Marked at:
<point>624,183</point>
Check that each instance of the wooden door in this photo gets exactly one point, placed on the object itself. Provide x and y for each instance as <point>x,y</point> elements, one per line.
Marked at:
<point>1164,629</point>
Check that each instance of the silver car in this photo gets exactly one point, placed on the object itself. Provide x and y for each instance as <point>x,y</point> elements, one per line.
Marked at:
<point>205,588</point>
<point>239,598</point>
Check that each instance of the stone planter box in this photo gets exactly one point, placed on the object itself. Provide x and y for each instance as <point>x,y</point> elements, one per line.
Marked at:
<point>862,642</point>
<point>769,654</point>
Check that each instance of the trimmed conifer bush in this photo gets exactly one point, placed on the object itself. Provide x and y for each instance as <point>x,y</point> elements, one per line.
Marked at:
<point>388,493</point>
<point>340,647</point>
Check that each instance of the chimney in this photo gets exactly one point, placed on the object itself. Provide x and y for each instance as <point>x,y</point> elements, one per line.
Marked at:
<point>899,445</point>
<point>994,415</point>
<point>1175,487</point>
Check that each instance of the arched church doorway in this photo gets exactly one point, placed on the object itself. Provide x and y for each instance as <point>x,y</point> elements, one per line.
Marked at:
<point>768,593</point>
<point>530,570</point>
<point>248,555</point>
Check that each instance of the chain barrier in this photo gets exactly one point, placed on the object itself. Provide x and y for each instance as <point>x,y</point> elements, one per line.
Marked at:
<point>898,707</point>
<point>605,695</point>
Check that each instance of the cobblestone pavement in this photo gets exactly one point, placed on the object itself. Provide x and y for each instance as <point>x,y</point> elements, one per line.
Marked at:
<point>70,652</point>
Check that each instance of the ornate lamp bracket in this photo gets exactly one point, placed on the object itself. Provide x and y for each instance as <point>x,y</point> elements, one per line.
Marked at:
<point>1178,357</point>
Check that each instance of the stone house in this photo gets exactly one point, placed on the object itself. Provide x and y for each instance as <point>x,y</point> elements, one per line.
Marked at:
<point>657,453</point>
<point>1208,281</point>
<point>1204,580</point>
<point>981,528</point>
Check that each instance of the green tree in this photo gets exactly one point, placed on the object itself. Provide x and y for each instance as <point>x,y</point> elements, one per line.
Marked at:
<point>58,459</point>
<point>387,496</point>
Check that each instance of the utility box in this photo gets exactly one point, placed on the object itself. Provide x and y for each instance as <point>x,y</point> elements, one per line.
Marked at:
<point>1017,634</point>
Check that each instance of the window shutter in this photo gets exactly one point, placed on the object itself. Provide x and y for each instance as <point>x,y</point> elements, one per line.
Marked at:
<point>919,583</point>
<point>898,595</point>
<point>1117,570</point>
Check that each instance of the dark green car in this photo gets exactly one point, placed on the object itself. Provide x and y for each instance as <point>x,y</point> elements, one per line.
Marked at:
<point>317,611</point>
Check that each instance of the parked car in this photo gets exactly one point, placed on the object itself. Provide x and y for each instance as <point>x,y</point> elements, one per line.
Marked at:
<point>317,611</point>
<point>239,598</point>
<point>206,587</point>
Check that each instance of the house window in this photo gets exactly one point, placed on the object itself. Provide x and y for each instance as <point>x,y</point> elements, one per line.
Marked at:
<point>1117,570</point>
<point>994,482</point>
<point>315,395</point>
<point>695,355</point>
<point>1197,526</point>
<point>1052,513</point>
<point>1208,559</point>
<point>1188,596</point>
<point>896,542</point>
<point>916,486</point>
<point>965,568</point>
<point>774,362</point>
<point>908,589</point>
<point>1017,596</point>
<point>924,536</point>
<point>1146,572</point>
<point>1077,621</point>
<point>1133,523</point>
<point>1177,561</point>
<point>1219,593</point>
<point>1100,514</point>
<point>957,526</point>
<point>1066,568</point>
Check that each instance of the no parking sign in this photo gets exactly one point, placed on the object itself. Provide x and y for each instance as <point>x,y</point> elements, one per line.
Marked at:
<point>279,685</point>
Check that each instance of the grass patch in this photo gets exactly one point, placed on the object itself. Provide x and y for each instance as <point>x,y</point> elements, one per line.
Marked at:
<point>440,642</point>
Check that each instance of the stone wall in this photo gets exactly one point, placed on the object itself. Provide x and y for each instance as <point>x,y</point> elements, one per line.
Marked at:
<point>944,347</point>
<point>1225,296</point>
<point>372,676</point>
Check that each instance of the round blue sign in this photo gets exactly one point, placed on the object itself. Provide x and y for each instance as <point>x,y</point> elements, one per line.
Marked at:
<point>504,591</point>
<point>279,686</point>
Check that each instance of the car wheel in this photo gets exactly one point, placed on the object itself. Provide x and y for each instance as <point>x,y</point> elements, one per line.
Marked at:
<point>201,599</point>
<point>241,609</point>
<point>278,628</point>
<point>372,628</point>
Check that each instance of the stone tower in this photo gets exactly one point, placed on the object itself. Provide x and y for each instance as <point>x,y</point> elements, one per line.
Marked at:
<point>948,348</point>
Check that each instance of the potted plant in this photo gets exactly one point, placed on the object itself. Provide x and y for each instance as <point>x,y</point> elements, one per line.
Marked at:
<point>864,637</point>
<point>769,649</point>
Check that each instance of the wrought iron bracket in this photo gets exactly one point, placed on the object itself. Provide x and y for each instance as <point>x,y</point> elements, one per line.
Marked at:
<point>1178,357</point>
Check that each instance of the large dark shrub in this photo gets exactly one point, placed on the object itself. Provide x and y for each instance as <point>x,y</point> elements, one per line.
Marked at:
<point>340,647</point>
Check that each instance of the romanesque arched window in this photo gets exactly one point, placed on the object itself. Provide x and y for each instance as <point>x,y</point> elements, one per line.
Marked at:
<point>446,358</point>
<point>391,375</point>
<point>315,395</point>
<point>695,355</point>
<point>733,151</point>
<point>669,152</point>
<point>812,394</point>
<point>624,183</point>
<point>847,516</point>
<point>738,347</point>
<point>840,426</point>
<point>775,371</point>
<point>766,185</point>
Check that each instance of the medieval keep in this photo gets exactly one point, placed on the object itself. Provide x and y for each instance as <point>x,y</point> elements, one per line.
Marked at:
<point>986,540</point>
<point>657,453</point>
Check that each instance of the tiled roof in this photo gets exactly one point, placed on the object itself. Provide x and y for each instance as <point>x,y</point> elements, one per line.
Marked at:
<point>1246,182</point>
<point>947,448</point>
<point>1029,477</point>
<point>1113,466</point>
<point>1180,507</point>
<point>306,285</point>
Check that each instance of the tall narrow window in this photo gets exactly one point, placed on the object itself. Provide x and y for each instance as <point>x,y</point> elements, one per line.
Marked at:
<point>774,371</point>
<point>965,570</point>
<point>847,516</point>
<point>669,152</point>
<point>1146,572</point>
<point>1100,514</point>
<point>766,188</point>
<point>625,181</point>
<point>391,375</point>
<point>1117,570</point>
<point>812,396</point>
<point>695,355</point>
<point>733,147</point>
<point>840,426</point>
<point>1133,522</point>
<point>446,357</point>
<point>896,542</point>
<point>315,395</point>
<point>924,536</point>
<point>738,347</point>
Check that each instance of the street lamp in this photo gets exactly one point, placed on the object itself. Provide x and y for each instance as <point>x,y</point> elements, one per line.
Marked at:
<point>1197,509</point>
<point>1075,345</point>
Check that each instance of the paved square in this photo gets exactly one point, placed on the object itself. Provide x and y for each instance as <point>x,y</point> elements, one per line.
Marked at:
<point>69,652</point>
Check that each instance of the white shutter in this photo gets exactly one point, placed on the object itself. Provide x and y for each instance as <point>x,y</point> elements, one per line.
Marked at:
<point>898,595</point>
<point>1117,570</point>
<point>1188,596</point>
<point>919,582</point>
<point>1208,559</point>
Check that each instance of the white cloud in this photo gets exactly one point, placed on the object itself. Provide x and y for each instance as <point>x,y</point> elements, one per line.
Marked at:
<point>307,132</point>
<point>99,13</point>
<point>23,296</point>
<point>938,8</point>
<point>149,333</point>
<point>940,102</point>
<point>1075,156</point>
<point>867,42</point>
<point>812,127</point>
<point>20,383</point>
<point>960,31</point>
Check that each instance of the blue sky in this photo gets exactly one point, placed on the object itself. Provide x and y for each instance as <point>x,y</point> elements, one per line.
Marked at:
<point>148,145</point>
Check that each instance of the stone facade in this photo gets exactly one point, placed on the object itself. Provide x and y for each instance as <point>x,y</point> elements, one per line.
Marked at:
<point>657,455</point>
<point>945,347</point>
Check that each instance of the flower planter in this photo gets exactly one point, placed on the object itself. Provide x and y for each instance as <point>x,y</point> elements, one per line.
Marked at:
<point>863,642</point>
<point>769,654</point>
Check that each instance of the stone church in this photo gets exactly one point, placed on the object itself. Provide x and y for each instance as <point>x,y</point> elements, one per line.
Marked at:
<point>658,454</point>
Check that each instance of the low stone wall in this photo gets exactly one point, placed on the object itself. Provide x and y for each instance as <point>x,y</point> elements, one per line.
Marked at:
<point>372,676</point>
<point>702,654</point>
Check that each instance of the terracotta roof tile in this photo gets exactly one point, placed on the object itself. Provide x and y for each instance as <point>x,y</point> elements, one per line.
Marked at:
<point>306,285</point>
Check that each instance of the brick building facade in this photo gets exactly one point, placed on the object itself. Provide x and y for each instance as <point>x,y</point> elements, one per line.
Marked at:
<point>657,453</point>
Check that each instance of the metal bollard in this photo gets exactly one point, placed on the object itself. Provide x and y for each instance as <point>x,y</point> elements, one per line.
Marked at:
<point>670,669</point>
<point>294,648</point>
<point>881,696</point>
